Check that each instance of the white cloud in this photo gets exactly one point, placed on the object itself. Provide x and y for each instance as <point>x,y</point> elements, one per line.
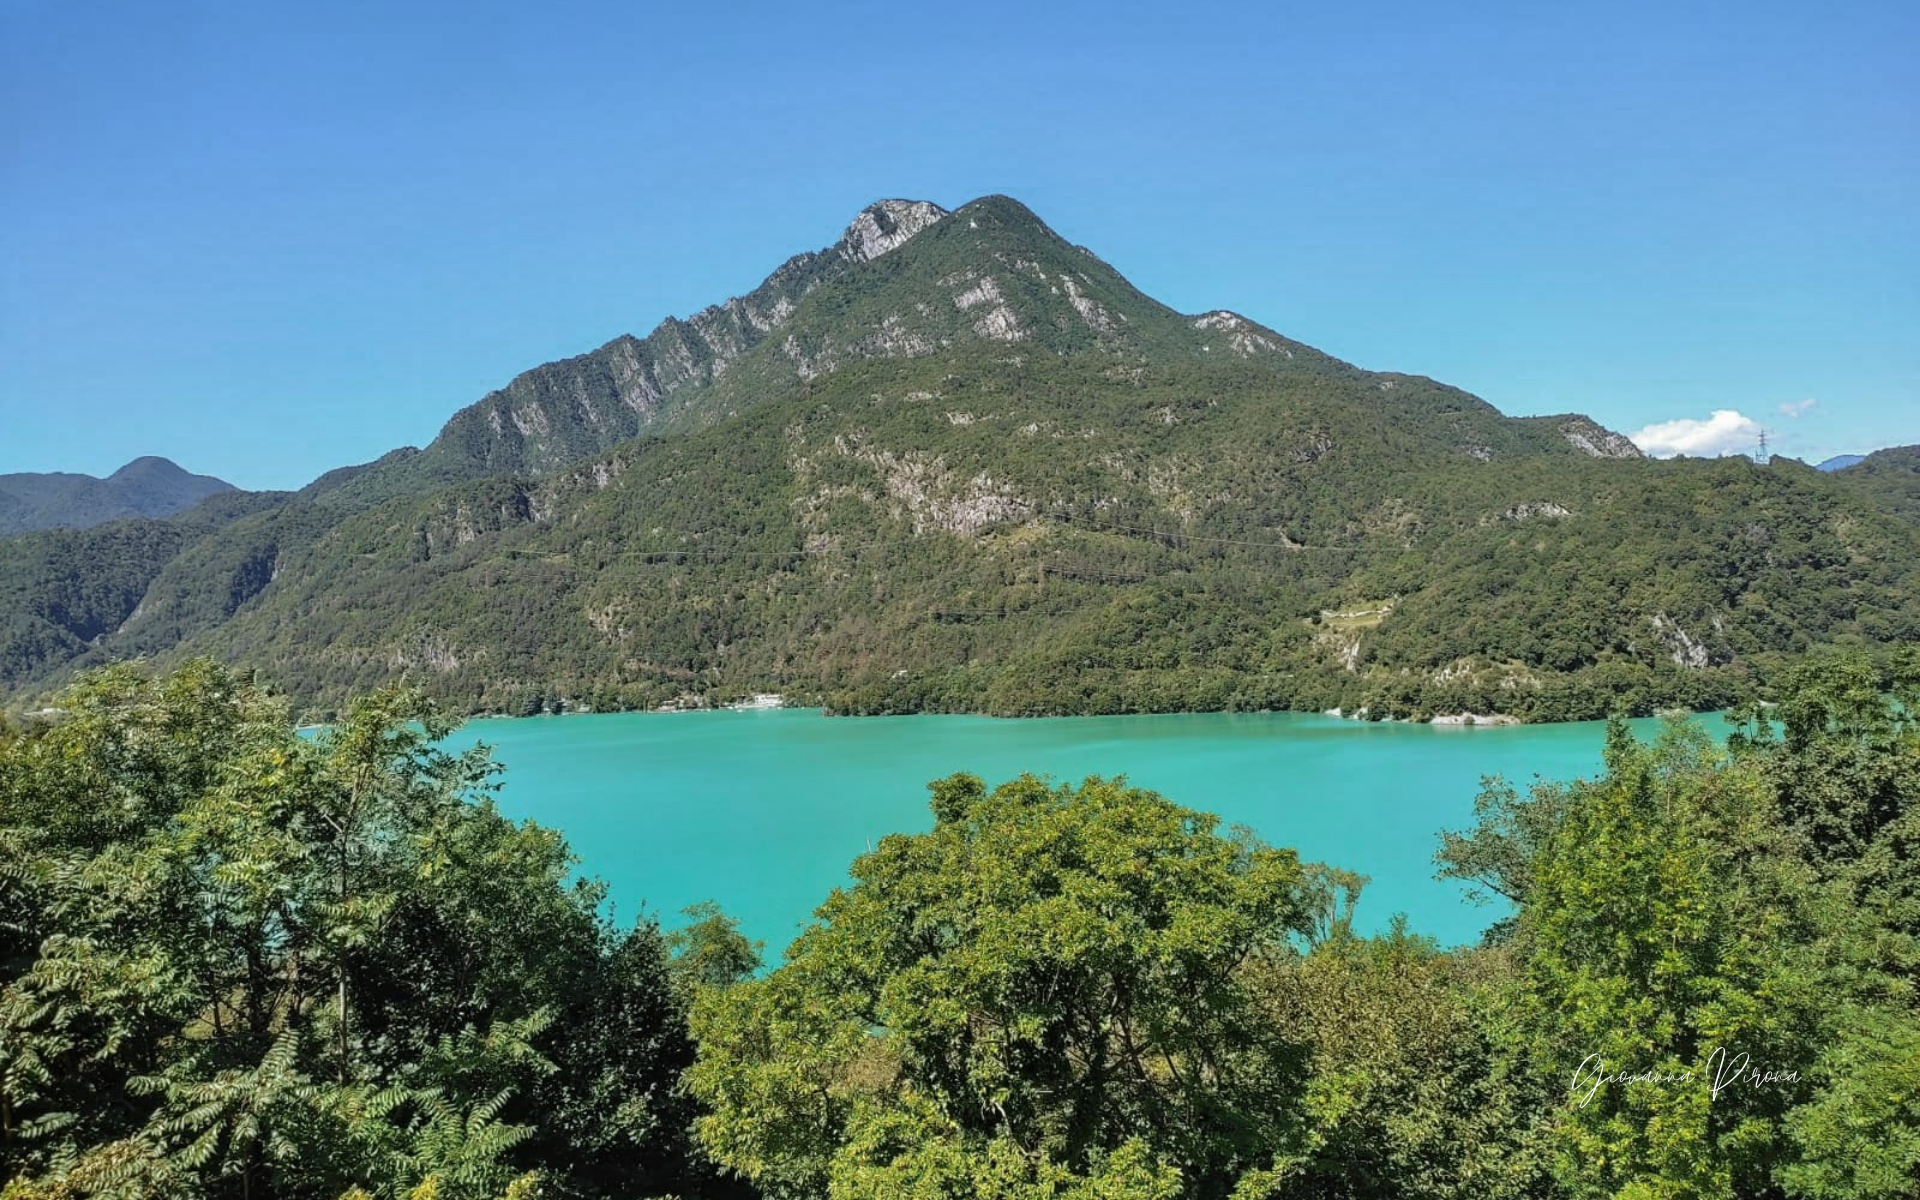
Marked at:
<point>1797,408</point>
<point>1725,432</point>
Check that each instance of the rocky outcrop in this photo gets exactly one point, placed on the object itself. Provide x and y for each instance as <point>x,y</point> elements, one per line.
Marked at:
<point>1682,648</point>
<point>1590,437</point>
<point>563,411</point>
<point>1540,509</point>
<point>886,226</point>
<point>1243,337</point>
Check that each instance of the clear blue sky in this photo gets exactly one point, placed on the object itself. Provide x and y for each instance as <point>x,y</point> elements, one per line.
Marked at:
<point>268,239</point>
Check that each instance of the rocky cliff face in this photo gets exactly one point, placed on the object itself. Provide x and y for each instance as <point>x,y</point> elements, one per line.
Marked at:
<point>987,274</point>
<point>563,411</point>
<point>887,226</point>
<point>1590,437</point>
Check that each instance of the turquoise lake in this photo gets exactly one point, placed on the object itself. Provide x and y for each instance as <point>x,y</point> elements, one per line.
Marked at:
<point>764,811</point>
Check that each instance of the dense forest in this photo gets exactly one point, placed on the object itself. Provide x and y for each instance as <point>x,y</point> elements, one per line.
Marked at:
<point>954,463</point>
<point>239,961</point>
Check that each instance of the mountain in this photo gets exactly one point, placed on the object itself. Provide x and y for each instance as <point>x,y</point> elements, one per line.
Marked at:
<point>62,591</point>
<point>145,487</point>
<point>953,461</point>
<point>564,411</point>
<point>1839,462</point>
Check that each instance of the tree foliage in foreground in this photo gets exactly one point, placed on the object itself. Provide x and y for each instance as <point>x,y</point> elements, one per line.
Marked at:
<point>1042,996</point>
<point>1093,992</point>
<point>238,962</point>
<point>1705,991</point>
<point>1739,926</point>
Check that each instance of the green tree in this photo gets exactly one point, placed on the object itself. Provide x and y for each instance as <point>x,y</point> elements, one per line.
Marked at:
<point>1044,995</point>
<point>1664,927</point>
<point>240,962</point>
<point>710,950</point>
<point>1413,1091</point>
<point>1734,931</point>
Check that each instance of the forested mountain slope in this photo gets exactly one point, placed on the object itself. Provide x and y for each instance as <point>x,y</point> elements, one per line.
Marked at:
<point>64,592</point>
<point>1891,478</point>
<point>955,462</point>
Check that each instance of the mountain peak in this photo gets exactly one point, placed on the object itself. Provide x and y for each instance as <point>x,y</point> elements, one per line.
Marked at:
<point>149,486</point>
<point>987,272</point>
<point>151,466</point>
<point>887,225</point>
<point>1000,206</point>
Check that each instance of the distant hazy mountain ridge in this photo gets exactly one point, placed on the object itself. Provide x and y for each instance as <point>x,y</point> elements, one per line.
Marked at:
<point>145,487</point>
<point>953,461</point>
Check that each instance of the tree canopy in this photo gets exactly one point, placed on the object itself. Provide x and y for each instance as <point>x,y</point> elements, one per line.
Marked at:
<point>240,961</point>
<point>1047,993</point>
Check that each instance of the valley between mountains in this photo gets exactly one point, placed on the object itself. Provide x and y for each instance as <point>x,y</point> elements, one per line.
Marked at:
<point>954,463</point>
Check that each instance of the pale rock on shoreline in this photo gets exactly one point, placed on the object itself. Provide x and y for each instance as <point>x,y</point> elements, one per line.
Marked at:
<point>1467,718</point>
